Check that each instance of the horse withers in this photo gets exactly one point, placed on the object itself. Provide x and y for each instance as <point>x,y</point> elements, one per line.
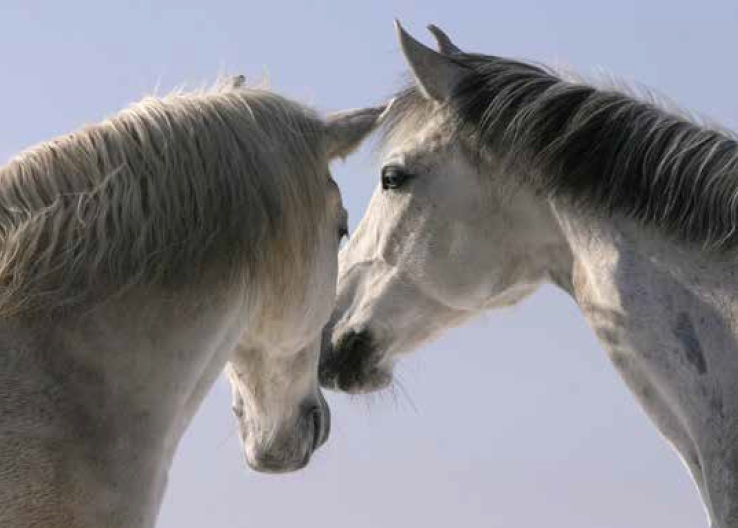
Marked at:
<point>137,256</point>
<point>499,176</point>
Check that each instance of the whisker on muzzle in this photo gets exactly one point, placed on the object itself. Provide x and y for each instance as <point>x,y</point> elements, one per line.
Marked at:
<point>400,386</point>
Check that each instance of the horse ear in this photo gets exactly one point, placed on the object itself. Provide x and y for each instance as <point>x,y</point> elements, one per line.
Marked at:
<point>435,74</point>
<point>346,130</point>
<point>444,42</point>
<point>238,81</point>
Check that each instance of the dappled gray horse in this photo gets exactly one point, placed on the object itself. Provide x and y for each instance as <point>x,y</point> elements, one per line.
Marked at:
<point>134,255</point>
<point>498,176</point>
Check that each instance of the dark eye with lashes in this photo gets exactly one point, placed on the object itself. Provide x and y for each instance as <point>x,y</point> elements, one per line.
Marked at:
<point>394,177</point>
<point>343,232</point>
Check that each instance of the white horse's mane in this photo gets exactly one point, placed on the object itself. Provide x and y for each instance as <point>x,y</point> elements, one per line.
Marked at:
<point>167,187</point>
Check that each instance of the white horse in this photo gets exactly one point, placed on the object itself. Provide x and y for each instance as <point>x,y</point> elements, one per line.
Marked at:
<point>134,255</point>
<point>498,176</point>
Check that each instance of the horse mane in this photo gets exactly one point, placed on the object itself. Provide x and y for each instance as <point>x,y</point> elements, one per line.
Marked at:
<point>607,150</point>
<point>159,194</point>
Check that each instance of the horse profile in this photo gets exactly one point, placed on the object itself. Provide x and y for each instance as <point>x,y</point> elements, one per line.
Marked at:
<point>500,175</point>
<point>137,256</point>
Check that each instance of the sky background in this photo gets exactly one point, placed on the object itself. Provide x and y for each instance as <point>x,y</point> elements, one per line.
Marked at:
<point>516,420</point>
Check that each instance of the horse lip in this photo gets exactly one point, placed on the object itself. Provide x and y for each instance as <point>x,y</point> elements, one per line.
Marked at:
<point>371,381</point>
<point>274,467</point>
<point>367,380</point>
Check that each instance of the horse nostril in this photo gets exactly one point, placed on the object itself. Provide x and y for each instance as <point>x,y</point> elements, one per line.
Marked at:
<point>317,429</point>
<point>353,345</point>
<point>342,366</point>
<point>355,349</point>
<point>353,341</point>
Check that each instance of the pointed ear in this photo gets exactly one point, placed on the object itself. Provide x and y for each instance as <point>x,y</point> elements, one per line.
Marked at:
<point>346,130</point>
<point>435,74</point>
<point>444,42</point>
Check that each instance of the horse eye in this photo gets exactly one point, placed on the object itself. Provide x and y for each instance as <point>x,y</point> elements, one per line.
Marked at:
<point>393,177</point>
<point>343,232</point>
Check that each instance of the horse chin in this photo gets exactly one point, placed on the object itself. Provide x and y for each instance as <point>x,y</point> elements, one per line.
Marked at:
<point>266,462</point>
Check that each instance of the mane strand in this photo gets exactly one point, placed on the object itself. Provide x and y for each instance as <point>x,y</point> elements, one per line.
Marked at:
<point>602,150</point>
<point>159,194</point>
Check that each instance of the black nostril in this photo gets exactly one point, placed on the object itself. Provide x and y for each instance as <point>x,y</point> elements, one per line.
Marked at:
<point>353,346</point>
<point>354,341</point>
<point>317,429</point>
<point>347,362</point>
<point>355,350</point>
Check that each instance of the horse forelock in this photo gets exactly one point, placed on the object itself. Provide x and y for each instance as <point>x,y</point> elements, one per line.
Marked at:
<point>159,194</point>
<point>603,147</point>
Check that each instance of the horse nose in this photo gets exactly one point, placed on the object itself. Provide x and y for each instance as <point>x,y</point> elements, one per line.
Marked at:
<point>343,364</point>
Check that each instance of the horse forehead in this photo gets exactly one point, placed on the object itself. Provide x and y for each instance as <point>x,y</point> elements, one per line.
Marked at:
<point>432,139</point>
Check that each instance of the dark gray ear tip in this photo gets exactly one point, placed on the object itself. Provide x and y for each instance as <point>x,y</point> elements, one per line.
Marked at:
<point>435,72</point>
<point>402,33</point>
<point>438,33</point>
<point>445,44</point>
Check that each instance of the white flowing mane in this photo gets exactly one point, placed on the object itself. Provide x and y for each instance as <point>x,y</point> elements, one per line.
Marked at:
<point>156,194</point>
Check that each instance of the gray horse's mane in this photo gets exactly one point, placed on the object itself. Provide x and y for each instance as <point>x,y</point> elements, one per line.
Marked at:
<point>161,193</point>
<point>606,150</point>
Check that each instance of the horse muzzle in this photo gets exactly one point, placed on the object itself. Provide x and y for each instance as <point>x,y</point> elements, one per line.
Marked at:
<point>353,364</point>
<point>289,449</point>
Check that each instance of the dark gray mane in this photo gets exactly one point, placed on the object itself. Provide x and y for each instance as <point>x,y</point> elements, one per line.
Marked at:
<point>603,150</point>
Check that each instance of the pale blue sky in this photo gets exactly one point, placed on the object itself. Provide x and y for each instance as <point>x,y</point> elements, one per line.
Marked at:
<point>516,420</point>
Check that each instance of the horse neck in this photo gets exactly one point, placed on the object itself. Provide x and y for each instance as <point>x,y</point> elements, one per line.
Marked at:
<point>615,258</point>
<point>93,408</point>
<point>543,250</point>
